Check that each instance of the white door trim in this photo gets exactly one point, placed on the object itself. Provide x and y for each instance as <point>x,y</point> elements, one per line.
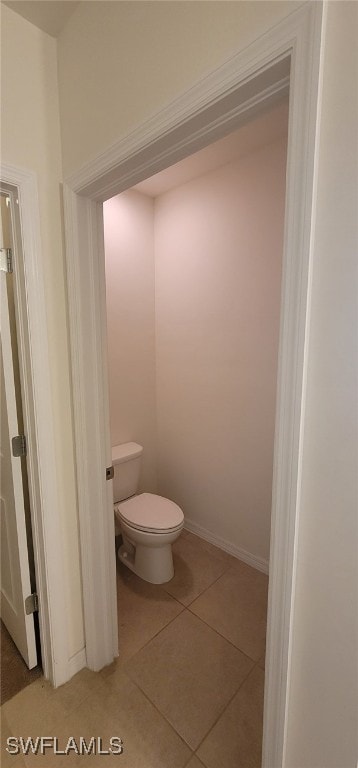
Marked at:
<point>39,427</point>
<point>214,105</point>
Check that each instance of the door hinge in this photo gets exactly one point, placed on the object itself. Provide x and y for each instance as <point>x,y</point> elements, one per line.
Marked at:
<point>19,447</point>
<point>109,473</point>
<point>31,604</point>
<point>6,260</point>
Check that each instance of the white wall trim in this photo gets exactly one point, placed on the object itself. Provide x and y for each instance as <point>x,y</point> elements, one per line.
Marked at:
<point>86,292</point>
<point>38,416</point>
<point>77,662</point>
<point>198,117</point>
<point>115,178</point>
<point>241,554</point>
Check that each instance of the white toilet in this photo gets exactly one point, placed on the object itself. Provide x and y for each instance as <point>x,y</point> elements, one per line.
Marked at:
<point>149,524</point>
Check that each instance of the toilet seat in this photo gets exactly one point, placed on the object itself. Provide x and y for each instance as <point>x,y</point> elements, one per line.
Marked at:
<point>151,513</point>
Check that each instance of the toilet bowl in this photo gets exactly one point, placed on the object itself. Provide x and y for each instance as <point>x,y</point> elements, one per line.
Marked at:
<point>149,523</point>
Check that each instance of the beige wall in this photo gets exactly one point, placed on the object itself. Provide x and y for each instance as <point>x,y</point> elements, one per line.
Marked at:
<point>129,247</point>
<point>200,363</point>
<point>119,62</point>
<point>31,139</point>
<point>324,686</point>
<point>152,51</point>
<point>218,254</point>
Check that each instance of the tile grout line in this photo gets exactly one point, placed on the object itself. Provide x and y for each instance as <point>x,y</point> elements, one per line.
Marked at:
<point>103,680</point>
<point>121,663</point>
<point>188,608</point>
<point>224,709</point>
<point>255,661</point>
<point>135,682</point>
<point>190,759</point>
<point>183,608</point>
<point>200,593</point>
<point>227,568</point>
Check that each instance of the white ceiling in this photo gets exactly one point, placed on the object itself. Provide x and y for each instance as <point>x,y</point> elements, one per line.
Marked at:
<point>48,15</point>
<point>262,130</point>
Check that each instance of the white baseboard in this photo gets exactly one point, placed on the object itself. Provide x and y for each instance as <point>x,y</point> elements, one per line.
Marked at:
<point>256,562</point>
<point>77,662</point>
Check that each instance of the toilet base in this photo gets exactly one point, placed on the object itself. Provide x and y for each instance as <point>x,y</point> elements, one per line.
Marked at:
<point>153,564</point>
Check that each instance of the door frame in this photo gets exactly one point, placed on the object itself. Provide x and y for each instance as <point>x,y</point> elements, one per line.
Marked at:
<point>214,105</point>
<point>34,363</point>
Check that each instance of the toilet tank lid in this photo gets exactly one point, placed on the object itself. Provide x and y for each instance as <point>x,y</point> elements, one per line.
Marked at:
<point>125,452</point>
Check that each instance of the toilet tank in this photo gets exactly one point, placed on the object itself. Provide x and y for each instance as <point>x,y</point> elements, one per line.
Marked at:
<point>126,460</point>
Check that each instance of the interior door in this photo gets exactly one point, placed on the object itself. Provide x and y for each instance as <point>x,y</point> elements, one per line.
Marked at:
<point>15,569</point>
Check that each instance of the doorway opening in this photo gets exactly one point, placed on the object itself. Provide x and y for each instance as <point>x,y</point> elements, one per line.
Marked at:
<point>193,289</point>
<point>20,638</point>
<point>287,54</point>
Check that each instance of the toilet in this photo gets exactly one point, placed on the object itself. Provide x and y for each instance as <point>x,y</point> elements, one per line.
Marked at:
<point>149,524</point>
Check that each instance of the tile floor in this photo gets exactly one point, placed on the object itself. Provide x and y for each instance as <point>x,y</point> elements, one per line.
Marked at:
<point>187,688</point>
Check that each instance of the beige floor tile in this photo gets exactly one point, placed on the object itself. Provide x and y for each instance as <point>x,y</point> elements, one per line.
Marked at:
<point>190,673</point>
<point>113,675</point>
<point>21,760</point>
<point>15,761</point>
<point>51,757</point>
<point>148,739</point>
<point>194,763</point>
<point>8,760</point>
<point>143,610</point>
<point>33,710</point>
<point>236,606</point>
<point>73,693</point>
<point>5,732</point>
<point>88,720</point>
<point>197,565</point>
<point>208,547</point>
<point>236,738</point>
<point>118,711</point>
<point>38,709</point>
